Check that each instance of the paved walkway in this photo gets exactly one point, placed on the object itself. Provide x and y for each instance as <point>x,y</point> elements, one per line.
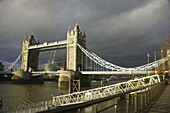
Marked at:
<point>162,105</point>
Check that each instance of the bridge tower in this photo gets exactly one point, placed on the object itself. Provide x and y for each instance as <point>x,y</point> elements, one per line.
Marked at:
<point>29,58</point>
<point>75,57</point>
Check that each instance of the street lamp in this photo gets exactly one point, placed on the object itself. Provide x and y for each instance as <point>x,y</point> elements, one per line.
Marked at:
<point>148,61</point>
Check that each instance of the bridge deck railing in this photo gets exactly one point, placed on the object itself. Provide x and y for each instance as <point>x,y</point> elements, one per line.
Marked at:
<point>131,101</point>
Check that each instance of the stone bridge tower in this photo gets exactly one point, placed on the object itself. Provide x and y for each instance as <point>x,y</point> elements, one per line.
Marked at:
<point>29,58</point>
<point>75,57</point>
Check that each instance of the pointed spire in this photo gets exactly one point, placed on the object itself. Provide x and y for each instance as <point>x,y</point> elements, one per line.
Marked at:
<point>84,34</point>
<point>76,27</point>
<point>77,23</point>
<point>68,30</point>
<point>24,38</point>
<point>32,34</point>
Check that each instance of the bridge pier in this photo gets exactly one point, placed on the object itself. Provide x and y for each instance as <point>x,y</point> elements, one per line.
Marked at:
<point>22,77</point>
<point>21,74</point>
<point>67,80</point>
<point>72,80</point>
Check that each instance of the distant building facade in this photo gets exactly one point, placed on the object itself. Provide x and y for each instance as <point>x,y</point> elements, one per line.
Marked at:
<point>60,64</point>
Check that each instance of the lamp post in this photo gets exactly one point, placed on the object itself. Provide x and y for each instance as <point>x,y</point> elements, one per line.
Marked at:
<point>148,61</point>
<point>163,67</point>
<point>155,60</point>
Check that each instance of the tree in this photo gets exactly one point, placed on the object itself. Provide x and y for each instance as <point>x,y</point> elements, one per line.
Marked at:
<point>165,51</point>
<point>1,66</point>
<point>165,45</point>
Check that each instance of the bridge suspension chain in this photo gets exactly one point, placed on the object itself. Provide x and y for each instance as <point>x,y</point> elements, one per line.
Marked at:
<point>15,62</point>
<point>98,60</point>
<point>152,64</point>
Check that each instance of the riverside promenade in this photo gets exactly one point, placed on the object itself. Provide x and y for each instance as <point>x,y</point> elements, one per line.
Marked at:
<point>162,105</point>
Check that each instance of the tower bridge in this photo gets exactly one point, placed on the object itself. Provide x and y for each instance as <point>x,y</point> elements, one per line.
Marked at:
<point>78,59</point>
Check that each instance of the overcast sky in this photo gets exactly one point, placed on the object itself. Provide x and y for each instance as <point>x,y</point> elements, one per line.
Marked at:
<point>120,31</point>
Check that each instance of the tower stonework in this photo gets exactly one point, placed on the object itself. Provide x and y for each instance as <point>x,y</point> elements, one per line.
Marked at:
<point>75,57</point>
<point>29,58</point>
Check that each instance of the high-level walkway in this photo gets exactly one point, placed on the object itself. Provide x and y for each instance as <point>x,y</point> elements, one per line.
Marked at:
<point>162,105</point>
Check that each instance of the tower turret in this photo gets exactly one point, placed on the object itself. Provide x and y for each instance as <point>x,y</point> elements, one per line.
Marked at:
<point>75,57</point>
<point>76,29</point>
<point>68,32</point>
<point>29,58</point>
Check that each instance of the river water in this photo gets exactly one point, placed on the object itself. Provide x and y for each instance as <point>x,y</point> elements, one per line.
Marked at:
<point>16,96</point>
<point>19,96</point>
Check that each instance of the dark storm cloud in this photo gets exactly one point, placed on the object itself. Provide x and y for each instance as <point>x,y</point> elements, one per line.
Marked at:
<point>126,29</point>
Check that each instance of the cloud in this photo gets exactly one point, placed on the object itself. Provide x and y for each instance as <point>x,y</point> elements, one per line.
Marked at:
<point>126,29</point>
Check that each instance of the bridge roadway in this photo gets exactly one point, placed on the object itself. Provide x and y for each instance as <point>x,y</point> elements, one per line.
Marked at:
<point>99,72</point>
<point>36,73</point>
<point>116,72</point>
<point>5,73</point>
<point>49,46</point>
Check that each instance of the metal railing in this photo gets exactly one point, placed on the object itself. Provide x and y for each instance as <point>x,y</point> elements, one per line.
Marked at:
<point>132,102</point>
<point>97,93</point>
<point>32,108</point>
<point>133,88</point>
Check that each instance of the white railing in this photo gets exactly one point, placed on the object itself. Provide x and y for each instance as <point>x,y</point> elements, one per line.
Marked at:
<point>97,93</point>
<point>37,73</point>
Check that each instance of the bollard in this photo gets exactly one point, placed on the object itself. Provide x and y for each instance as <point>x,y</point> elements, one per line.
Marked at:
<point>132,98</point>
<point>127,103</point>
<point>135,101</point>
<point>141,100</point>
<point>46,103</point>
<point>95,108</point>
<point>115,104</point>
<point>0,103</point>
<point>151,93</point>
<point>145,97</point>
<point>36,109</point>
<point>29,110</point>
<point>24,111</point>
<point>148,92</point>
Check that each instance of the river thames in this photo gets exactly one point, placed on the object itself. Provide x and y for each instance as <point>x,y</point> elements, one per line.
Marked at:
<point>20,96</point>
<point>17,96</point>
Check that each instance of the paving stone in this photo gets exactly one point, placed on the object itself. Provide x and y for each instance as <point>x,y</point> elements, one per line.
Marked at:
<point>163,103</point>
